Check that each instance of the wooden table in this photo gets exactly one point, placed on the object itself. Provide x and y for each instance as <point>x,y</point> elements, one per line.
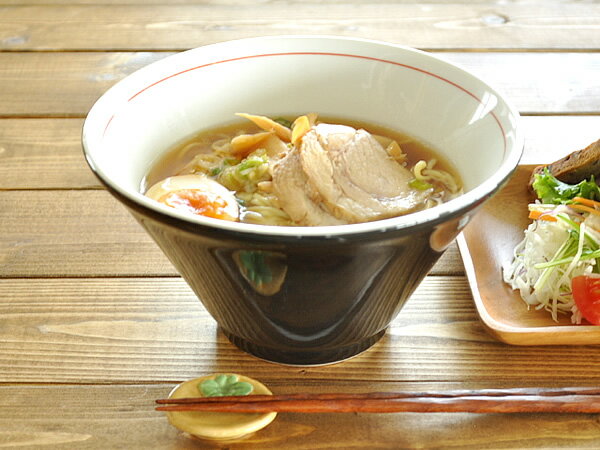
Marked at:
<point>95,323</point>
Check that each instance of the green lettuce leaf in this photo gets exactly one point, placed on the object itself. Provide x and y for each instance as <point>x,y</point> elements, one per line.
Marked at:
<point>551,190</point>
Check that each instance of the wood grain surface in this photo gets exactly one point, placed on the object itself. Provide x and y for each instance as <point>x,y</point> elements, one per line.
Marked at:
<point>106,416</point>
<point>492,25</point>
<point>46,153</point>
<point>67,84</point>
<point>138,329</point>
<point>94,321</point>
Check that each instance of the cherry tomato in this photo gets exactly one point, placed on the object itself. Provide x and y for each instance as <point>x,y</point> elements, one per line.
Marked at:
<point>586,293</point>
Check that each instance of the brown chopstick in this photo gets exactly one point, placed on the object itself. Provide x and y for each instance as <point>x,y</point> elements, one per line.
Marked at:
<point>573,400</point>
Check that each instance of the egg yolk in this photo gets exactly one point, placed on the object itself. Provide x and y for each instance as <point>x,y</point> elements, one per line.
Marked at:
<point>198,202</point>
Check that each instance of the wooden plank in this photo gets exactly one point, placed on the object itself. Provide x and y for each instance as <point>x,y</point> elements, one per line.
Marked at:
<point>73,233</point>
<point>548,138</point>
<point>43,154</point>
<point>539,83</point>
<point>62,84</point>
<point>151,330</point>
<point>85,233</point>
<point>86,417</point>
<point>90,234</point>
<point>434,26</point>
<point>46,153</point>
<point>67,84</point>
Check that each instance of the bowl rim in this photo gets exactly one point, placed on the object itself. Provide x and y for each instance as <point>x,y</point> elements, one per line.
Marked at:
<point>415,220</point>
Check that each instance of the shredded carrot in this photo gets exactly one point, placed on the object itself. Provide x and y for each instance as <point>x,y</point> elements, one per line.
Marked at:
<point>585,208</point>
<point>587,201</point>
<point>541,215</point>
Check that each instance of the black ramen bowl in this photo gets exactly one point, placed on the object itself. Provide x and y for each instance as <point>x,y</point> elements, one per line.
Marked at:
<point>303,295</point>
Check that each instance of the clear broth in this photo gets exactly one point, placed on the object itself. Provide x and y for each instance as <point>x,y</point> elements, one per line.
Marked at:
<point>175,159</point>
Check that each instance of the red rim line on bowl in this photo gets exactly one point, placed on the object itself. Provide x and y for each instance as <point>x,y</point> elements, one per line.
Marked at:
<point>347,55</point>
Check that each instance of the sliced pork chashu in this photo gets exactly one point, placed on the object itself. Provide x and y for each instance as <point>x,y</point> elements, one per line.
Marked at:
<point>290,187</point>
<point>354,176</point>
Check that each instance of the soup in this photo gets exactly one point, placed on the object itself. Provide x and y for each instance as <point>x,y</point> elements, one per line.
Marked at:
<point>308,171</point>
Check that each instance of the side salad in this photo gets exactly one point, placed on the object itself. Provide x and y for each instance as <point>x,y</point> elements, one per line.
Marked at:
<point>556,266</point>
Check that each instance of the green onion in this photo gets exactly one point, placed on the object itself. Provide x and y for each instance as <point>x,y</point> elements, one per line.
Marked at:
<point>230,161</point>
<point>286,123</point>
<point>567,251</point>
<point>558,262</point>
<point>249,163</point>
<point>419,184</point>
<point>568,248</point>
<point>576,228</point>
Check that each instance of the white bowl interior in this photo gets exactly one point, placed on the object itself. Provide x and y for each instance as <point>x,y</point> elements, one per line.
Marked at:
<point>144,115</point>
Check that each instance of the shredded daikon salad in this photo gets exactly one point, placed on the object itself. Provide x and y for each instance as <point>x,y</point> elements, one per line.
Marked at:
<point>563,242</point>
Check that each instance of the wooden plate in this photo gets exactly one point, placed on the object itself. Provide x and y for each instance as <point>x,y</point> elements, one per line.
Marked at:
<point>487,243</point>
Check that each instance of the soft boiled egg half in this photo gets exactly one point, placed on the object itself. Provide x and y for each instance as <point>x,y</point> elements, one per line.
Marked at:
<point>196,194</point>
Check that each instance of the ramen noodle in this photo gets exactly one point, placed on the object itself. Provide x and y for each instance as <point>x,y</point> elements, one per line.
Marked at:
<point>308,171</point>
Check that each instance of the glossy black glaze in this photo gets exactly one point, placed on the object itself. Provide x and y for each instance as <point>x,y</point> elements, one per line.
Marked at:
<point>296,302</point>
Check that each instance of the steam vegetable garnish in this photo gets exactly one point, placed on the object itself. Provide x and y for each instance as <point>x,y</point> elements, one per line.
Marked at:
<point>556,266</point>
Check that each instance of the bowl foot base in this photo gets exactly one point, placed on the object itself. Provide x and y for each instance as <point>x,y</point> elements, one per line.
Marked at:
<point>304,357</point>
